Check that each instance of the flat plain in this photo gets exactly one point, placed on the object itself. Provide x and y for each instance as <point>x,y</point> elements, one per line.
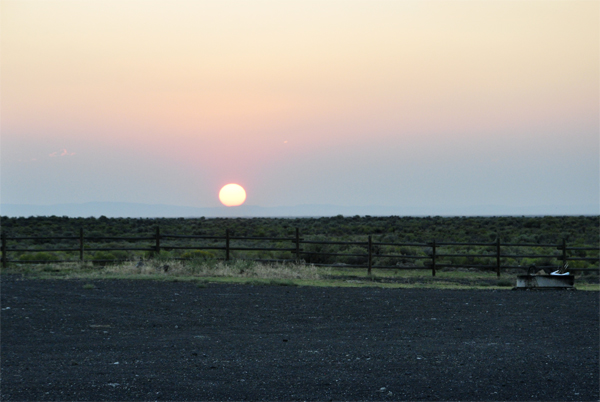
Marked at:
<point>158,340</point>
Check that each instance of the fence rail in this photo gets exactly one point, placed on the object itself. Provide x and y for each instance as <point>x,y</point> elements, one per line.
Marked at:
<point>430,251</point>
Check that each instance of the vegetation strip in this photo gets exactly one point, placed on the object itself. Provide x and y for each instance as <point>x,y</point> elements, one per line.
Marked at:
<point>398,244</point>
<point>251,272</point>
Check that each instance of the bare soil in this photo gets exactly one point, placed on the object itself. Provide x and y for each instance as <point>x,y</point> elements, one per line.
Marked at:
<point>152,340</point>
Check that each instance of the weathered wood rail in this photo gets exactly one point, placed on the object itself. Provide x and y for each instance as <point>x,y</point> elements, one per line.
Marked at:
<point>430,250</point>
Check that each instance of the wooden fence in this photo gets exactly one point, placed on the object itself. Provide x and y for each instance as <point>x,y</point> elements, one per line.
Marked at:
<point>432,251</point>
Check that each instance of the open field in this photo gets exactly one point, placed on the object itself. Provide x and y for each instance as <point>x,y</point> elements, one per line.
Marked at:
<point>100,339</point>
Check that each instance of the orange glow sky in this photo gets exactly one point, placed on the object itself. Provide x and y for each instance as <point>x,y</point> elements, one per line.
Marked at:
<point>317,102</point>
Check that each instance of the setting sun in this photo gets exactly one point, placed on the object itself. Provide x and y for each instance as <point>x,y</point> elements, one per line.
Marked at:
<point>232,195</point>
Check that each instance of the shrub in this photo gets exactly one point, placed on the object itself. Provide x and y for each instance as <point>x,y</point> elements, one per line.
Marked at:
<point>99,256</point>
<point>39,256</point>
<point>319,248</point>
<point>120,254</point>
<point>163,256</point>
<point>198,255</point>
<point>355,260</point>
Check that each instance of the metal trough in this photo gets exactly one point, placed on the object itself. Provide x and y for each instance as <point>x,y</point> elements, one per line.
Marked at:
<point>545,281</point>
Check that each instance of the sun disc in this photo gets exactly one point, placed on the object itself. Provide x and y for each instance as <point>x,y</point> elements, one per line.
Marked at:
<point>232,195</point>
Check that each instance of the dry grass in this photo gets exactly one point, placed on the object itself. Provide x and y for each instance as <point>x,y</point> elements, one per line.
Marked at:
<point>213,269</point>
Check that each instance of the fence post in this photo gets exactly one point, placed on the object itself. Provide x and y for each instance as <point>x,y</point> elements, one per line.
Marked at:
<point>370,256</point>
<point>4,262</point>
<point>564,254</point>
<point>81,244</point>
<point>498,257</point>
<point>157,236</point>
<point>433,258</point>
<point>226,244</point>
<point>297,246</point>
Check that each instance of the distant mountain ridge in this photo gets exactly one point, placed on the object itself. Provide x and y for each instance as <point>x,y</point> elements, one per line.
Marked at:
<point>138,210</point>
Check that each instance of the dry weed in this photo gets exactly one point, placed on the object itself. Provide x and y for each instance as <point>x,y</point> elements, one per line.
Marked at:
<point>236,268</point>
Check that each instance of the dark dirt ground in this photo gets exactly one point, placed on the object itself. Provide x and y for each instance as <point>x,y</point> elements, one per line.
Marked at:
<point>149,340</point>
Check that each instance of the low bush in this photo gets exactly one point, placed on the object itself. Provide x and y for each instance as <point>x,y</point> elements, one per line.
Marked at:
<point>120,254</point>
<point>198,255</point>
<point>39,256</point>
<point>102,258</point>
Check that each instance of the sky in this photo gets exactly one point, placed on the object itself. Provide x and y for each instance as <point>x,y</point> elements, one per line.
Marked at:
<point>351,103</point>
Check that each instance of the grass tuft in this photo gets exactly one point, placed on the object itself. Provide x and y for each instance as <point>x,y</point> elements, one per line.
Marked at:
<point>225,269</point>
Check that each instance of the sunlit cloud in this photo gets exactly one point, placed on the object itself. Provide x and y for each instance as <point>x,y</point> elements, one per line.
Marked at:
<point>63,153</point>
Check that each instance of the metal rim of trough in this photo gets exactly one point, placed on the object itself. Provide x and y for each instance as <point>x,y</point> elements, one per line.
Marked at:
<point>545,282</point>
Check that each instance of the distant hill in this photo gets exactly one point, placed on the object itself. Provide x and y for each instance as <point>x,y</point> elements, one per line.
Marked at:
<point>136,210</point>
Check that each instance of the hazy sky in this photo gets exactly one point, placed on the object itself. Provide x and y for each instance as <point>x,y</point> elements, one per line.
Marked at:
<point>394,103</point>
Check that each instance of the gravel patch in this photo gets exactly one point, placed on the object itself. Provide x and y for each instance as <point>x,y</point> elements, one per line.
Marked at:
<point>150,340</point>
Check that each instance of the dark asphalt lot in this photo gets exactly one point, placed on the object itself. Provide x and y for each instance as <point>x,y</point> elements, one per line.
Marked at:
<point>148,340</point>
